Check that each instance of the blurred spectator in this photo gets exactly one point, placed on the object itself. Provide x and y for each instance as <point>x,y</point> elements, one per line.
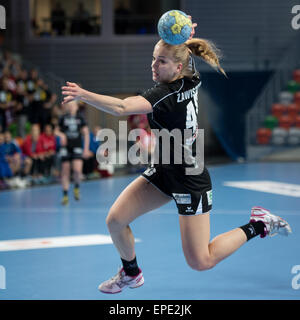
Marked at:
<point>31,82</point>
<point>21,109</point>
<point>81,21</point>
<point>58,17</point>
<point>137,121</point>
<point>56,113</point>
<point>33,96</point>
<point>9,65</point>
<point>32,147</point>
<point>90,163</point>
<point>7,104</point>
<point>94,143</point>
<point>41,101</point>
<point>21,79</point>
<point>48,101</point>
<point>10,78</point>
<point>48,142</point>
<point>18,165</point>
<point>5,171</point>
<point>12,153</point>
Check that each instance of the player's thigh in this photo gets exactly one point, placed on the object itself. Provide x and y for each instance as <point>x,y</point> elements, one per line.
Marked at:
<point>65,167</point>
<point>195,236</point>
<point>77,165</point>
<point>137,198</point>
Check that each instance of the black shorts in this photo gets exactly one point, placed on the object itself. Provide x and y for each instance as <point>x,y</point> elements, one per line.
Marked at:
<point>70,153</point>
<point>192,193</point>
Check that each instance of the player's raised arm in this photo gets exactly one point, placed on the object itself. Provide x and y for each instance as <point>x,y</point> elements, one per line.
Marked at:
<point>112,105</point>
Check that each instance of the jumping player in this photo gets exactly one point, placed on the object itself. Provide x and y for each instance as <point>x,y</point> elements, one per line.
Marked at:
<point>167,106</point>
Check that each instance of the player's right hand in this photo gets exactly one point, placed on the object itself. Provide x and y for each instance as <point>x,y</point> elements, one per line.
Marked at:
<point>72,91</point>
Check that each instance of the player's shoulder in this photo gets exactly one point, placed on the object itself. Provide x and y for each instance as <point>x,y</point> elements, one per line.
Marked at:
<point>185,83</point>
<point>161,90</point>
<point>157,93</point>
<point>157,88</point>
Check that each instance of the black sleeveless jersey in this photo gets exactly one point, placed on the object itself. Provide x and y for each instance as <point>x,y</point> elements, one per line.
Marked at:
<point>71,126</point>
<point>175,106</point>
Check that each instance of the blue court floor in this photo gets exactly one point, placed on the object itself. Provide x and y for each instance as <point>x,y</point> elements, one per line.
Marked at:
<point>261,269</point>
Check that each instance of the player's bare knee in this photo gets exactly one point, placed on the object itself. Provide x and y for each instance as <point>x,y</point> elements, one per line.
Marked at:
<point>76,174</point>
<point>113,222</point>
<point>201,264</point>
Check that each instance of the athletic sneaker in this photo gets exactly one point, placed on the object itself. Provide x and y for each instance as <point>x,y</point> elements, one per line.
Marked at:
<point>76,194</point>
<point>65,200</point>
<point>121,281</point>
<point>273,224</point>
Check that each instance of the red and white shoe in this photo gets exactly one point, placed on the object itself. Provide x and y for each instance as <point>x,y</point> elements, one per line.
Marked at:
<point>273,224</point>
<point>121,281</point>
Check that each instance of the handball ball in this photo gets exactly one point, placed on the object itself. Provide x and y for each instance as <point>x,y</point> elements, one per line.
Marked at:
<point>174,27</point>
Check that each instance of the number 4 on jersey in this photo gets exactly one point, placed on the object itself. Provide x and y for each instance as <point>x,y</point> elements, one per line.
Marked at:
<point>191,120</point>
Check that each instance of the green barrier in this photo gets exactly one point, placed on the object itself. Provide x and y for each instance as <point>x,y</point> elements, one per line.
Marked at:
<point>12,128</point>
<point>293,86</point>
<point>27,127</point>
<point>271,122</point>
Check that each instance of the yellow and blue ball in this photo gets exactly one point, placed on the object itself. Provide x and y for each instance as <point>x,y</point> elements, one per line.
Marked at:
<point>174,27</point>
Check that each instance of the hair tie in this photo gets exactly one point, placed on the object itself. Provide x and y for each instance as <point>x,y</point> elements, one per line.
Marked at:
<point>191,65</point>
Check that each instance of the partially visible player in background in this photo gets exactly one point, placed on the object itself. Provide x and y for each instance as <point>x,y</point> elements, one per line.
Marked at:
<point>71,128</point>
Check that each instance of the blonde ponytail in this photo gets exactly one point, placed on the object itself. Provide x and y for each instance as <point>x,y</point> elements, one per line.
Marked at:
<point>206,50</point>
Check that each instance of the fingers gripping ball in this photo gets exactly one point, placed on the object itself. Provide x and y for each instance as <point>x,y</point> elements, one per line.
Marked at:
<point>174,27</point>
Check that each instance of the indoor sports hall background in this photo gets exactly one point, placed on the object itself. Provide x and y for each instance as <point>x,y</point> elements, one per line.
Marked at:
<point>252,147</point>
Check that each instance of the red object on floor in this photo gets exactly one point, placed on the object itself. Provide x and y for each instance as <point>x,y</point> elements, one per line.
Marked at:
<point>104,173</point>
<point>297,98</point>
<point>296,75</point>
<point>297,121</point>
<point>263,135</point>
<point>293,110</point>
<point>286,121</point>
<point>278,109</point>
